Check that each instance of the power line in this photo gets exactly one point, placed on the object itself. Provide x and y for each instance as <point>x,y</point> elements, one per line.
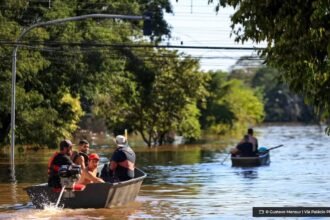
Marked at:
<point>113,55</point>
<point>94,44</point>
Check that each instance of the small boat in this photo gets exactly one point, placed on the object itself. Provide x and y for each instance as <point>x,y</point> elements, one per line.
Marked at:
<point>260,160</point>
<point>95,195</point>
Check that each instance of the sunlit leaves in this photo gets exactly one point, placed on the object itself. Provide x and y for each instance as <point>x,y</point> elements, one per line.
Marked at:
<point>231,106</point>
<point>60,79</point>
<point>157,97</point>
<point>297,37</point>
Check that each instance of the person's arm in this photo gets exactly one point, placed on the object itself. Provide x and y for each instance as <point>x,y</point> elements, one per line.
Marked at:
<point>89,175</point>
<point>113,165</point>
<point>81,161</point>
<point>128,164</point>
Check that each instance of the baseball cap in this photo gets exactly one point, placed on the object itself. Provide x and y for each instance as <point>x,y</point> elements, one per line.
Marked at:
<point>93,156</point>
<point>121,140</point>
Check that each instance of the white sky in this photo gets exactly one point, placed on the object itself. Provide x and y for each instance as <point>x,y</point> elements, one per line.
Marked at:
<point>196,23</point>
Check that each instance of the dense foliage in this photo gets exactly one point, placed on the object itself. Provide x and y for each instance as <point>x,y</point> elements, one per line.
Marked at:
<point>159,99</point>
<point>231,107</point>
<point>63,73</point>
<point>55,83</point>
<point>281,105</point>
<point>298,42</point>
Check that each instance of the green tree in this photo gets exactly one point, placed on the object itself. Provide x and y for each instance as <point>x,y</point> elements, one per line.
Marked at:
<point>281,105</point>
<point>298,42</point>
<point>159,98</point>
<point>46,75</point>
<point>231,107</point>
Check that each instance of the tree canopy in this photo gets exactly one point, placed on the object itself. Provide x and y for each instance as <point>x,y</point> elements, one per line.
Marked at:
<point>298,42</point>
<point>58,73</point>
<point>281,104</point>
<point>158,99</point>
<point>231,106</point>
<point>92,66</point>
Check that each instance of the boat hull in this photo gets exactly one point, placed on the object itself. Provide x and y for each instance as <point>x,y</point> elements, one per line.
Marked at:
<point>96,195</point>
<point>261,160</point>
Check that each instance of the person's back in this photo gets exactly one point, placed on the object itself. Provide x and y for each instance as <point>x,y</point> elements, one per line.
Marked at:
<point>124,157</point>
<point>55,163</point>
<point>122,162</point>
<point>246,149</point>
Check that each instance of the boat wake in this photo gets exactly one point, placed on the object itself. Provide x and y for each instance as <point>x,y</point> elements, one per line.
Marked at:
<point>17,206</point>
<point>28,211</point>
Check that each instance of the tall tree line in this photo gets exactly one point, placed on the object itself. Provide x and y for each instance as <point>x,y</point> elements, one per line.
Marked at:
<point>62,74</point>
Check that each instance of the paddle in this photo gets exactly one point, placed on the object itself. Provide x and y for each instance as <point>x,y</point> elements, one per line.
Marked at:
<point>225,158</point>
<point>272,148</point>
<point>126,134</point>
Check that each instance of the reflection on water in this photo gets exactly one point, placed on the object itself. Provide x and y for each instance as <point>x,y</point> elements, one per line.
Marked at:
<point>190,181</point>
<point>249,174</point>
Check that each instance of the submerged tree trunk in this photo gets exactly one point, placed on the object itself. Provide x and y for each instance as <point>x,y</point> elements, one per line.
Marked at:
<point>145,139</point>
<point>161,138</point>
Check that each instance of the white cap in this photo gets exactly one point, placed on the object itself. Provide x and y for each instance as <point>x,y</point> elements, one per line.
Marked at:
<point>121,141</point>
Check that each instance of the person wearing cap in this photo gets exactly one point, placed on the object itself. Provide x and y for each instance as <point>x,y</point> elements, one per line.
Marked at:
<point>122,162</point>
<point>56,161</point>
<point>80,157</point>
<point>89,174</point>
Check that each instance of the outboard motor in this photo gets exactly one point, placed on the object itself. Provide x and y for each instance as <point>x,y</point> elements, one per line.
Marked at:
<point>69,174</point>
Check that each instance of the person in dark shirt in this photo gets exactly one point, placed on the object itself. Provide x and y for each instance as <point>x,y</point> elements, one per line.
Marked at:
<point>253,140</point>
<point>56,161</point>
<point>122,162</point>
<point>245,148</point>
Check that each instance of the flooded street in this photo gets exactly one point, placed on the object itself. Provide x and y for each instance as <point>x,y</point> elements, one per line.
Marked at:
<point>190,182</point>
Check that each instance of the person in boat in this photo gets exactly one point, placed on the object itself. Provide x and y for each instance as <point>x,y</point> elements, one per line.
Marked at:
<point>122,162</point>
<point>56,161</point>
<point>244,148</point>
<point>80,157</point>
<point>89,173</point>
<point>253,140</point>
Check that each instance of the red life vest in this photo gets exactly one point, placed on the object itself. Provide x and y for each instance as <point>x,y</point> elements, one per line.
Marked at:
<point>51,167</point>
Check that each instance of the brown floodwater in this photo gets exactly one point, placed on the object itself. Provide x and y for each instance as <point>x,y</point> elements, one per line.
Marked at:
<point>189,181</point>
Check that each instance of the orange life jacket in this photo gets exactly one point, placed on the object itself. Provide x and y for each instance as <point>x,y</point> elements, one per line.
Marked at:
<point>52,167</point>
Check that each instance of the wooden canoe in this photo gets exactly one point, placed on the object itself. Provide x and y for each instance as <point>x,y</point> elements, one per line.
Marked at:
<point>261,160</point>
<point>95,195</point>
